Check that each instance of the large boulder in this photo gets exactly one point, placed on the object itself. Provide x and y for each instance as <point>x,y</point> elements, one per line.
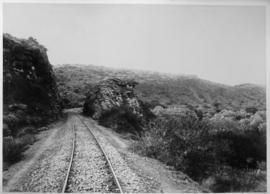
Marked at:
<point>114,103</point>
<point>29,84</point>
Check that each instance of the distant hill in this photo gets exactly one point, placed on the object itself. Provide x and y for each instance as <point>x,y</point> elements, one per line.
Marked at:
<point>74,81</point>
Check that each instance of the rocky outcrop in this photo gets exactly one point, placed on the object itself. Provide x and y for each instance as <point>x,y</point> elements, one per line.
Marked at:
<point>30,92</point>
<point>114,103</point>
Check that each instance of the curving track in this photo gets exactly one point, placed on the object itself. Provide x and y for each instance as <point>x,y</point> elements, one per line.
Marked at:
<point>90,169</point>
<point>70,161</point>
<point>75,155</point>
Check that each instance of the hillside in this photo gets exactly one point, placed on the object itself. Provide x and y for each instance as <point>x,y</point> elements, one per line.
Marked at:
<point>30,95</point>
<point>29,84</point>
<point>74,81</point>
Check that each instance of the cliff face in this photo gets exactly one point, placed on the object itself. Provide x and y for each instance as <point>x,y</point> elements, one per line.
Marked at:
<point>28,83</point>
<point>114,103</point>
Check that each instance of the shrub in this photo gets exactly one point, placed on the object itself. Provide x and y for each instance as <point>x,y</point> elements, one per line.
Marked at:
<point>26,130</point>
<point>246,145</point>
<point>180,141</point>
<point>231,180</point>
<point>27,139</point>
<point>122,119</point>
<point>11,119</point>
<point>6,130</point>
<point>252,110</point>
<point>199,113</point>
<point>12,149</point>
<point>33,120</point>
<point>202,148</point>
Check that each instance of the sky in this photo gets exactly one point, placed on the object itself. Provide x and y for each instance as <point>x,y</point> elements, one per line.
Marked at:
<point>224,44</point>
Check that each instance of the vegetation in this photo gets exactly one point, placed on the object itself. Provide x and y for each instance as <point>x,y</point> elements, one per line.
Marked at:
<point>122,119</point>
<point>225,151</point>
<point>214,133</point>
<point>28,78</point>
<point>30,95</point>
<point>13,148</point>
<point>75,80</point>
<point>19,128</point>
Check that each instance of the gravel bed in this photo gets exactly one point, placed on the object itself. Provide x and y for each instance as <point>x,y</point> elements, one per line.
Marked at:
<point>129,181</point>
<point>47,172</point>
<point>89,171</point>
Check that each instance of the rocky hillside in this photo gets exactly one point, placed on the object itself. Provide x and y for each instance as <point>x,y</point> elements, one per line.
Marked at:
<point>75,80</point>
<point>30,92</point>
<point>114,103</point>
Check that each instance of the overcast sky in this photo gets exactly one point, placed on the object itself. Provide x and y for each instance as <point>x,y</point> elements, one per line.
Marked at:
<point>225,44</point>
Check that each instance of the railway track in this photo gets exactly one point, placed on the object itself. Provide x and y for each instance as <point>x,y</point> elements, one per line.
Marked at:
<point>70,161</point>
<point>67,183</point>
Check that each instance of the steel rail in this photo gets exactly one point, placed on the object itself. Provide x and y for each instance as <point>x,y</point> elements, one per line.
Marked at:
<point>70,161</point>
<point>105,155</point>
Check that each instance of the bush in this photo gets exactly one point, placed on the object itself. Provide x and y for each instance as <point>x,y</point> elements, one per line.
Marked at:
<point>18,122</point>
<point>13,148</point>
<point>201,148</point>
<point>26,130</point>
<point>11,119</point>
<point>6,130</point>
<point>251,110</point>
<point>239,180</point>
<point>34,120</point>
<point>246,144</point>
<point>122,119</point>
<point>27,139</point>
<point>180,141</point>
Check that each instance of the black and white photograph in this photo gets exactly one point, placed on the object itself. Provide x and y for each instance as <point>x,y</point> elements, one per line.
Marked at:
<point>134,96</point>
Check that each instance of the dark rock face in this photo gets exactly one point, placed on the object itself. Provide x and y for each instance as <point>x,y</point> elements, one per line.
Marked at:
<point>114,103</point>
<point>28,83</point>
